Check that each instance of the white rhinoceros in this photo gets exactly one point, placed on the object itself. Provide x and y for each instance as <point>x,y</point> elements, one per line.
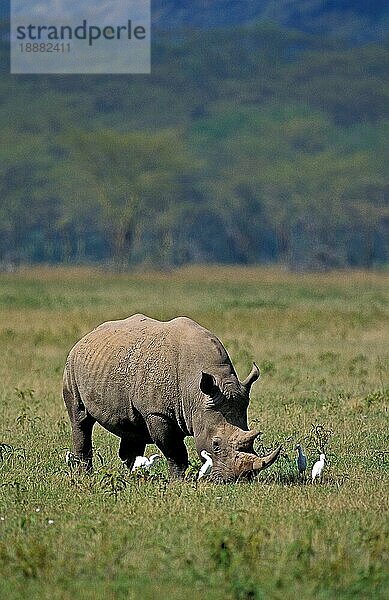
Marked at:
<point>148,381</point>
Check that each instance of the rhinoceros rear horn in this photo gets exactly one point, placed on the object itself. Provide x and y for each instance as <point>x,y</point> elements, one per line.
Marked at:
<point>262,462</point>
<point>253,376</point>
<point>245,439</point>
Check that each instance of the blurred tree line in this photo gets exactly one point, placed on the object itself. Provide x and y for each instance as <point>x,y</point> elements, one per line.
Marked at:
<point>244,145</point>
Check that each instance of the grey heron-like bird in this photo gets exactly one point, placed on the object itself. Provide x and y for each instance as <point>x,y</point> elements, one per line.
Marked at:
<point>317,470</point>
<point>207,466</point>
<point>301,460</point>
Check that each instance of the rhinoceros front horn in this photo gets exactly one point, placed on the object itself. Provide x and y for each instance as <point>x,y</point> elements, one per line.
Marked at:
<point>253,376</point>
<point>262,462</point>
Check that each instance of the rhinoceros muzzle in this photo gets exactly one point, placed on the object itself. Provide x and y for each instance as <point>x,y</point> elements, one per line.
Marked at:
<point>247,459</point>
<point>245,462</point>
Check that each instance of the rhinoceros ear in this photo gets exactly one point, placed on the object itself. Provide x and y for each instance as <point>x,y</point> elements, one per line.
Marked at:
<point>209,387</point>
<point>208,384</point>
<point>253,376</point>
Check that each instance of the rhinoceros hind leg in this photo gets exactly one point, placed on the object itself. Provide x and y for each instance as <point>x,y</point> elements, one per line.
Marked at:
<point>170,440</point>
<point>82,441</point>
<point>129,449</point>
<point>82,427</point>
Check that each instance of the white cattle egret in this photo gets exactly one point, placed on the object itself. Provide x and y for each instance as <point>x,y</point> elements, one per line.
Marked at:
<point>207,466</point>
<point>144,462</point>
<point>301,460</point>
<point>317,470</point>
<point>71,459</point>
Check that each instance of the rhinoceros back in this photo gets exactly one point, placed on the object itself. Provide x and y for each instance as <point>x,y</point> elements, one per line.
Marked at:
<point>139,365</point>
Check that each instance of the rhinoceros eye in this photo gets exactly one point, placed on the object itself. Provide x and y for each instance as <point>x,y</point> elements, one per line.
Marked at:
<point>216,445</point>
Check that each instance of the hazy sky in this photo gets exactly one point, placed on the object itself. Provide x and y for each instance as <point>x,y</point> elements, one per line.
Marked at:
<point>112,10</point>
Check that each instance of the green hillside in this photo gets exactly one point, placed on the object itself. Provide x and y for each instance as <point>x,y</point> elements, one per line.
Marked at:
<point>244,145</point>
<point>357,21</point>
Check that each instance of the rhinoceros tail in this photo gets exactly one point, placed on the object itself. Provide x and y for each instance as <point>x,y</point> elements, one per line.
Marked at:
<point>72,397</point>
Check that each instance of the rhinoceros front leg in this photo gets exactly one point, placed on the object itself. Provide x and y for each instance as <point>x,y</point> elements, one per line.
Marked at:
<point>170,440</point>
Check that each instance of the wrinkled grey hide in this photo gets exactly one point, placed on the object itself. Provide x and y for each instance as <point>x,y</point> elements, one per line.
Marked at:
<point>148,381</point>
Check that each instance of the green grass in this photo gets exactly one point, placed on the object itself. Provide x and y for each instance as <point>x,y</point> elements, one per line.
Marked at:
<point>322,343</point>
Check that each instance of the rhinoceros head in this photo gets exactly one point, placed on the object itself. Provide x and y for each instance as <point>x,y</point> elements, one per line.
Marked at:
<point>224,432</point>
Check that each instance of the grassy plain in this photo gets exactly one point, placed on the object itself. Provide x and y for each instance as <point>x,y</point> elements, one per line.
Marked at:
<point>322,342</point>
